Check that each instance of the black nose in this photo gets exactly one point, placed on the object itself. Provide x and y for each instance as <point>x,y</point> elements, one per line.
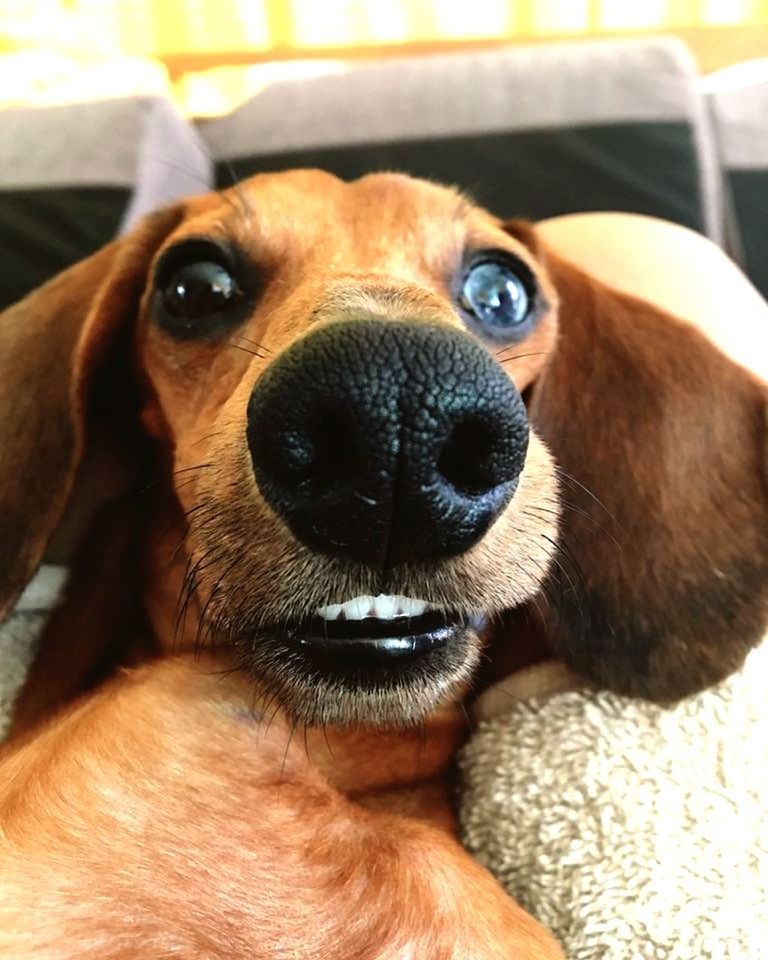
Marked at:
<point>387,442</point>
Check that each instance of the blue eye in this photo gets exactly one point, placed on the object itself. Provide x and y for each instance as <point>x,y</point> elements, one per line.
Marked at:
<point>497,298</point>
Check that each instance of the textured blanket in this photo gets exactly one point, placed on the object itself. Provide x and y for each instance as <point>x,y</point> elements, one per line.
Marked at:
<point>19,633</point>
<point>632,831</point>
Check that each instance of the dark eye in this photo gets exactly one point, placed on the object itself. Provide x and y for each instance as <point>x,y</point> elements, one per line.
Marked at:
<point>196,289</point>
<point>200,289</point>
<point>498,298</point>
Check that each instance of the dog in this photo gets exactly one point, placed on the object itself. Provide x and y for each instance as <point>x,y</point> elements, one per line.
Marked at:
<point>376,447</point>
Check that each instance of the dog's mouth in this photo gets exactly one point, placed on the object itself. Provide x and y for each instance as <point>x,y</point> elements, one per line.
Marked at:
<point>371,659</point>
<point>386,631</point>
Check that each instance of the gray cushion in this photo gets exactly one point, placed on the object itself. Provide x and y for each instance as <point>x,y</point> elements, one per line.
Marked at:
<point>739,101</point>
<point>530,131</point>
<point>72,177</point>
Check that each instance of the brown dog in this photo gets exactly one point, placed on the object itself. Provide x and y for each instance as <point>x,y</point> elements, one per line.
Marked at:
<point>337,487</point>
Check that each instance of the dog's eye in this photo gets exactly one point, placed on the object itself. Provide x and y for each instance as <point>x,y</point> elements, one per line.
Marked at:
<point>497,297</point>
<point>196,288</point>
<point>199,290</point>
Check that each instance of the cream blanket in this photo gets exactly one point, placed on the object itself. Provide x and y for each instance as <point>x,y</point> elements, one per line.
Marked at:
<point>632,831</point>
<point>19,633</point>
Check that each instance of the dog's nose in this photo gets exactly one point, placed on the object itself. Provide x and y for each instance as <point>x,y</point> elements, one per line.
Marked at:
<point>387,442</point>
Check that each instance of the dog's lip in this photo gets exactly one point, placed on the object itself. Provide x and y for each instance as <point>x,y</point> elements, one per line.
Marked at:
<point>369,649</point>
<point>369,641</point>
<point>386,673</point>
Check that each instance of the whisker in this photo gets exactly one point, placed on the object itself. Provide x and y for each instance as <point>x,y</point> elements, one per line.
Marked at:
<point>176,551</point>
<point>198,507</point>
<point>543,513</point>
<point>244,207</point>
<point>327,741</point>
<point>223,428</point>
<point>189,587</point>
<point>199,635</point>
<point>463,706</point>
<point>565,549</point>
<point>570,478</point>
<point>536,601</point>
<point>578,594</point>
<point>422,745</point>
<point>251,353</point>
<point>199,466</point>
<point>256,344</point>
<point>166,530</point>
<point>183,600</point>
<point>273,698</point>
<point>166,161</point>
<point>142,490</point>
<point>518,356</point>
<point>294,725</point>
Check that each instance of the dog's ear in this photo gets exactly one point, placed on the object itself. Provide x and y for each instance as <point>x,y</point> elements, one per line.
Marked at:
<point>662,443</point>
<point>51,345</point>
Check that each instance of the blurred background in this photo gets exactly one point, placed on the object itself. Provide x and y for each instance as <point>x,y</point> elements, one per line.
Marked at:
<point>111,108</point>
<point>211,55</point>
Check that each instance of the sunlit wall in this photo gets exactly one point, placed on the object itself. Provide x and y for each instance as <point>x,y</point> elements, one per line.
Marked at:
<point>52,50</point>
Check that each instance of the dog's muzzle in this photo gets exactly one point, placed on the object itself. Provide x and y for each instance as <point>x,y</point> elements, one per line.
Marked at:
<point>386,442</point>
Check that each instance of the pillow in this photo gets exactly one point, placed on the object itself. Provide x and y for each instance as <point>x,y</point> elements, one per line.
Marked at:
<point>528,131</point>
<point>72,177</point>
<point>739,101</point>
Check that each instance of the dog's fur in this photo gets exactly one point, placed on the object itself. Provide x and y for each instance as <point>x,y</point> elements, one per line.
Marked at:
<point>176,808</point>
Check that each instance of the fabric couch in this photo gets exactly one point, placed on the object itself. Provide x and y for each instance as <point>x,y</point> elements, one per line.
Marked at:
<point>528,131</point>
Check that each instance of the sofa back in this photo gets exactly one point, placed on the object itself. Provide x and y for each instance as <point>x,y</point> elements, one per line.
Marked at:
<point>527,131</point>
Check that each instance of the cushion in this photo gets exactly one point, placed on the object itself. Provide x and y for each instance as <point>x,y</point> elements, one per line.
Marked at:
<point>739,101</point>
<point>528,131</point>
<point>72,177</point>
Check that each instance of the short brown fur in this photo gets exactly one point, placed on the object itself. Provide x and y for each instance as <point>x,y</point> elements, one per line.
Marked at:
<point>177,807</point>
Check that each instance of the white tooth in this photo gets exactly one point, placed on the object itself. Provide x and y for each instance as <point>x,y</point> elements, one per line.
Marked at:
<point>409,607</point>
<point>331,612</point>
<point>358,608</point>
<point>415,608</point>
<point>384,606</point>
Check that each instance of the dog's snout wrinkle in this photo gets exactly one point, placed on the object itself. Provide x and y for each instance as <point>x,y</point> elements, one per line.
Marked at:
<point>387,442</point>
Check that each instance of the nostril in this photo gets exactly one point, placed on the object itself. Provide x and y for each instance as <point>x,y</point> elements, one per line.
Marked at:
<point>468,460</point>
<point>321,452</point>
<point>297,455</point>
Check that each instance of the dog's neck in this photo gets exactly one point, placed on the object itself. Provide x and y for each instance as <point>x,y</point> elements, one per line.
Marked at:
<point>409,771</point>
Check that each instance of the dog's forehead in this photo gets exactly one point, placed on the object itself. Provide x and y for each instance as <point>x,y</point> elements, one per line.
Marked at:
<point>387,197</point>
<point>311,212</point>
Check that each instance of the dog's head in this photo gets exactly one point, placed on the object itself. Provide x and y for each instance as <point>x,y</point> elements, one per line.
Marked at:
<point>332,374</point>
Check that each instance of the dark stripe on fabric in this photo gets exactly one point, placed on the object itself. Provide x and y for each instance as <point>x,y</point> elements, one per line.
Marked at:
<point>644,167</point>
<point>749,192</point>
<point>42,231</point>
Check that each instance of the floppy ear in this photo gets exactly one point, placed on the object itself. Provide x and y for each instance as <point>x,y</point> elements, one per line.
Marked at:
<point>51,345</point>
<point>662,442</point>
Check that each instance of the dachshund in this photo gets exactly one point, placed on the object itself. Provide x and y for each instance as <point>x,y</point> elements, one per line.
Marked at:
<point>366,448</point>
